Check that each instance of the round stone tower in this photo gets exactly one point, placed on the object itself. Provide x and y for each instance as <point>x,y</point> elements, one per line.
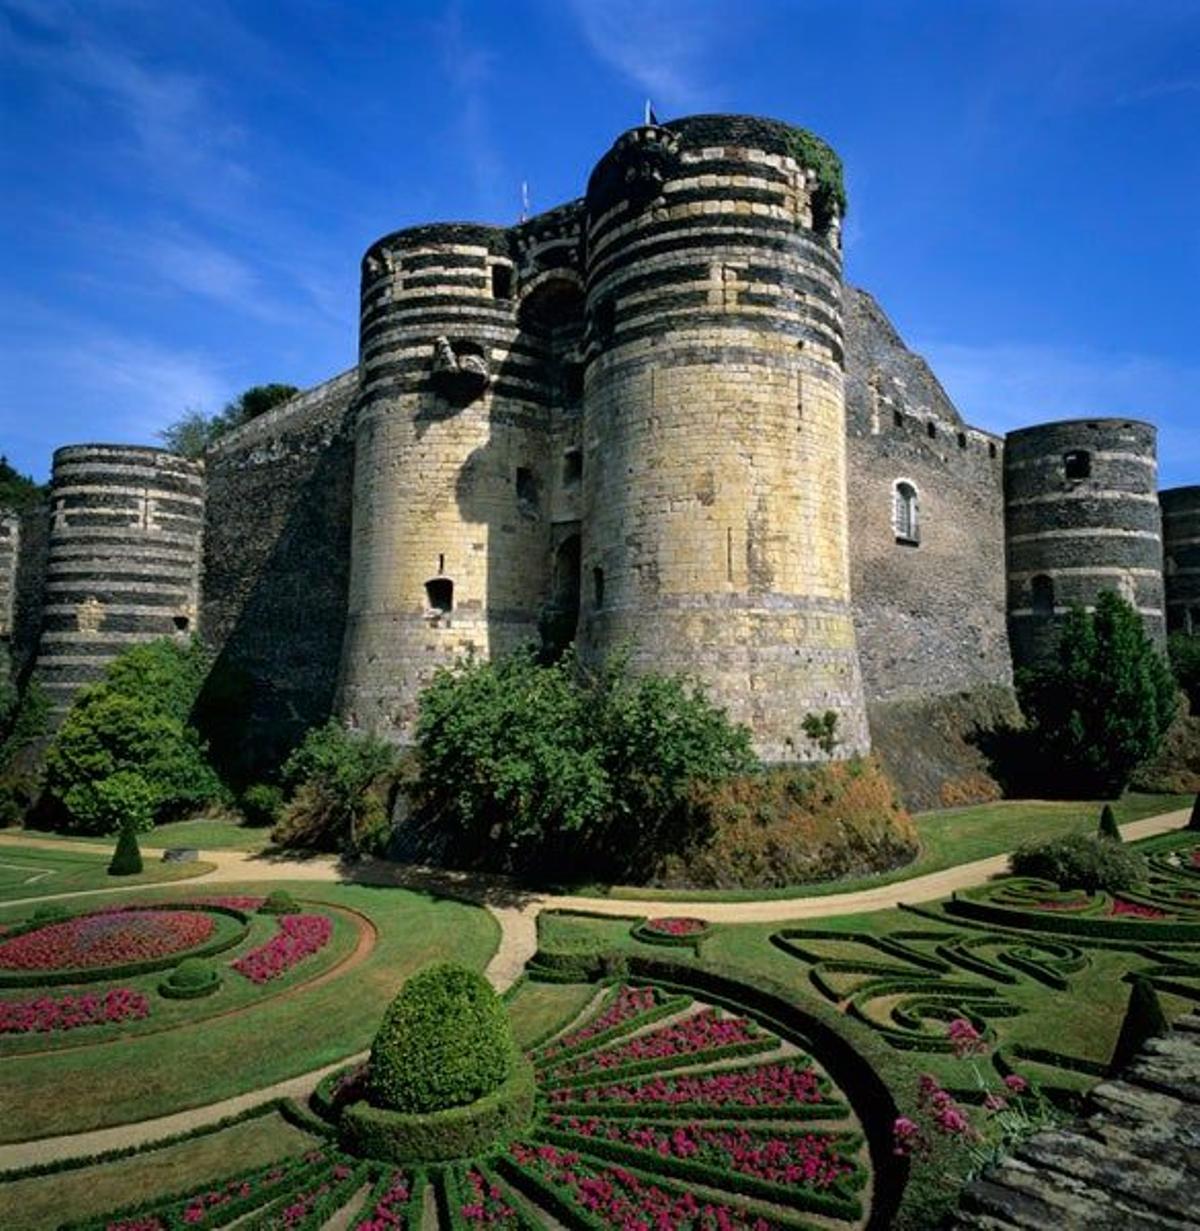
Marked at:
<point>1082,516</point>
<point>1181,547</point>
<point>449,550</point>
<point>124,558</point>
<point>714,526</point>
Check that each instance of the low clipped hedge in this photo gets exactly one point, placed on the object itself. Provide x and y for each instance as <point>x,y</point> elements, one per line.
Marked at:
<point>192,978</point>
<point>661,1064</point>
<point>279,902</point>
<point>1148,931</point>
<point>648,935</point>
<point>438,1136</point>
<point>667,1006</point>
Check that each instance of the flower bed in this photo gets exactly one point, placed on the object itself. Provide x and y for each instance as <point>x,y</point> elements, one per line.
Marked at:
<point>299,936</point>
<point>389,1204</point>
<point>761,1088</point>
<point>483,1203</point>
<point>106,938</point>
<point>1135,910</point>
<point>671,930</point>
<point>626,1009</point>
<point>46,1014</point>
<point>699,1036</point>
<point>314,1204</point>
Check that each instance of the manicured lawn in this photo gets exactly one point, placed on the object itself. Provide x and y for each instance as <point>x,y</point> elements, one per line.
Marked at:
<point>204,1061</point>
<point>207,833</point>
<point>44,1202</point>
<point>34,872</point>
<point>539,1009</point>
<point>948,838</point>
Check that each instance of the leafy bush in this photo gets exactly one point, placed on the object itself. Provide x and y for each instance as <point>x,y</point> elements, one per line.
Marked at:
<point>341,783</point>
<point>50,912</point>
<point>1144,1019</point>
<point>24,721</point>
<point>1103,706</point>
<point>195,432</point>
<point>127,858</point>
<point>1108,827</point>
<point>1080,861</point>
<point>126,753</point>
<point>1184,653</point>
<point>261,803</point>
<point>445,1041</point>
<point>279,902</point>
<point>789,826</point>
<point>192,978</point>
<point>556,767</point>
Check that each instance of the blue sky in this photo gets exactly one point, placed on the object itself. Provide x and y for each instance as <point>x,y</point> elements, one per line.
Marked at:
<point>188,187</point>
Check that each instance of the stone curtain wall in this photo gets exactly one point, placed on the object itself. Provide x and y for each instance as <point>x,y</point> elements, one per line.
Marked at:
<point>1181,547</point>
<point>930,614</point>
<point>276,561</point>
<point>1072,535</point>
<point>124,558</point>
<point>29,579</point>
<point>10,550</point>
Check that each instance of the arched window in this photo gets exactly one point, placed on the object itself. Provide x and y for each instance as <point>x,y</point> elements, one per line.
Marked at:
<point>1042,587</point>
<point>906,513</point>
<point>439,594</point>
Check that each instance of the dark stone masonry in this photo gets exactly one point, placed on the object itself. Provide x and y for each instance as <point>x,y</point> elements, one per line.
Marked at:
<point>653,417</point>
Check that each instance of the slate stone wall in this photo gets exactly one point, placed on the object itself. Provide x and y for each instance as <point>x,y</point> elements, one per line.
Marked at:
<point>10,554</point>
<point>1181,548</point>
<point>29,580</point>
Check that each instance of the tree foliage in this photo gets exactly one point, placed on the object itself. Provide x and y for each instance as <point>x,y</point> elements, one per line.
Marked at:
<point>554,766</point>
<point>126,754</point>
<point>127,858</point>
<point>1105,702</point>
<point>1184,652</point>
<point>1080,861</point>
<point>194,431</point>
<point>18,491</point>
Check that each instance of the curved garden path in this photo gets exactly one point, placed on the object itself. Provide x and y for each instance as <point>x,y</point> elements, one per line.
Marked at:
<point>516,913</point>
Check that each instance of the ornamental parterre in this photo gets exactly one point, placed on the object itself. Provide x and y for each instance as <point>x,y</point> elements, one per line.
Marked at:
<point>45,1014</point>
<point>299,936</point>
<point>106,938</point>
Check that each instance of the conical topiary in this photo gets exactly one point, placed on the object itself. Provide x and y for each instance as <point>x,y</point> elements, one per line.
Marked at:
<point>1108,824</point>
<point>445,1041</point>
<point>127,858</point>
<point>1194,820</point>
<point>1144,1019</point>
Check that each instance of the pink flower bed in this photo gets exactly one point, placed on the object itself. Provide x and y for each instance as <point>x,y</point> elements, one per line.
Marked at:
<point>207,1207</point>
<point>47,1013</point>
<point>676,925</point>
<point>1135,910</point>
<point>106,938</point>
<point>630,1002</point>
<point>1071,904</point>
<point>794,1160</point>
<point>484,1204</point>
<point>761,1085</point>
<point>388,1213</point>
<point>299,1208</point>
<point>704,1031</point>
<point>617,1199</point>
<point>299,937</point>
<point>232,902</point>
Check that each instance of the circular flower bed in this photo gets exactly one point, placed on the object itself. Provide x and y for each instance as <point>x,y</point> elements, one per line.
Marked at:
<point>107,938</point>
<point>671,930</point>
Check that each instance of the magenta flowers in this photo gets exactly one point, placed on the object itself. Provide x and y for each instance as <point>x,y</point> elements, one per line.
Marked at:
<point>299,937</point>
<point>1136,910</point>
<point>106,938</point>
<point>484,1204</point>
<point>630,1002</point>
<point>388,1212</point>
<point>47,1013</point>
<point>676,925</point>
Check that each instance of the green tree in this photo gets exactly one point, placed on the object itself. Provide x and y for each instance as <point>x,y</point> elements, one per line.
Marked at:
<point>126,753</point>
<point>127,858</point>
<point>1103,705</point>
<point>18,491</point>
<point>1184,652</point>
<point>1108,827</point>
<point>194,432</point>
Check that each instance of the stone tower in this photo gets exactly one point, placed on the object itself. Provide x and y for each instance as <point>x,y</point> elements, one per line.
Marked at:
<point>1181,547</point>
<point>124,560</point>
<point>714,467</point>
<point>1082,516</point>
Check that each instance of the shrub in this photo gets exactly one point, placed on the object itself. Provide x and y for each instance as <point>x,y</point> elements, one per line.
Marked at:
<point>24,721</point>
<point>127,858</point>
<point>788,826</point>
<point>192,978</point>
<point>126,753</point>
<point>261,803</point>
<point>1144,1019</point>
<point>279,902</point>
<point>445,1041</point>
<point>1184,653</point>
<point>341,783</point>
<point>1080,861</point>
<point>1104,704</point>
<point>50,912</point>
<point>1108,827</point>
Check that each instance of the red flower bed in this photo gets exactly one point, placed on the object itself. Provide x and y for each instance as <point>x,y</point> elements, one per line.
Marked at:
<point>69,1012</point>
<point>106,938</point>
<point>206,1207</point>
<point>676,925</point>
<point>762,1085</point>
<point>617,1199</point>
<point>630,1002</point>
<point>299,937</point>
<point>390,1208</point>
<point>231,902</point>
<point>704,1031</point>
<point>1062,905</point>
<point>1136,910</point>
<point>484,1204</point>
<point>799,1160</point>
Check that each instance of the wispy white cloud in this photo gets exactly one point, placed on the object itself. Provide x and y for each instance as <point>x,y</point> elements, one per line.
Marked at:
<point>663,46</point>
<point>1016,384</point>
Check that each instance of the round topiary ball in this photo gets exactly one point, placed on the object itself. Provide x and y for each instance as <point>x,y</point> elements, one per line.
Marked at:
<point>279,902</point>
<point>445,1041</point>
<point>193,972</point>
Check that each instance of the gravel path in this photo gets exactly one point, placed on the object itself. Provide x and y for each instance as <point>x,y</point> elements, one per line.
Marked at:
<point>516,914</point>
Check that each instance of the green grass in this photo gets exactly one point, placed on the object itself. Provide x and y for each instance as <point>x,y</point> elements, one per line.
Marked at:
<point>34,872</point>
<point>207,1060</point>
<point>44,1202</point>
<point>538,1010</point>
<point>948,838</point>
<point>207,833</point>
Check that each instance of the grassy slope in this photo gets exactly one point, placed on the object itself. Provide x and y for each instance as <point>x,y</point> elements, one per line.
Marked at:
<point>45,1202</point>
<point>206,1061</point>
<point>72,871</point>
<point>208,833</point>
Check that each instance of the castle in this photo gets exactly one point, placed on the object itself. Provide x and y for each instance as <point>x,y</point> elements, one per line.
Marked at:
<point>653,417</point>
